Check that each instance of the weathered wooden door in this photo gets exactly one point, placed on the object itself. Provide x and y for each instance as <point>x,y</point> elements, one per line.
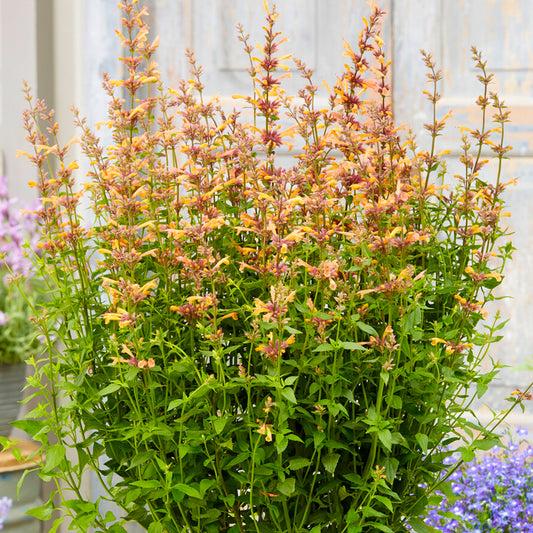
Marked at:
<point>502,30</point>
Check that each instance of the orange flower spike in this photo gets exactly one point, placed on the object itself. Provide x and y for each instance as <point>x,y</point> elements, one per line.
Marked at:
<point>265,429</point>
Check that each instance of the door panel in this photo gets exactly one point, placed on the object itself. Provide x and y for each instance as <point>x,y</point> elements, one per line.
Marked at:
<point>501,29</point>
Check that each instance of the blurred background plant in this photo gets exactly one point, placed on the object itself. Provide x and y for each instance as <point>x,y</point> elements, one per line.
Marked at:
<point>490,494</point>
<point>17,227</point>
<point>5,506</point>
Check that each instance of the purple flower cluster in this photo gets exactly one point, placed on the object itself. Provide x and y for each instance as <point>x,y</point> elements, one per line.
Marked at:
<point>15,230</point>
<point>5,506</point>
<point>493,494</point>
<point>17,333</point>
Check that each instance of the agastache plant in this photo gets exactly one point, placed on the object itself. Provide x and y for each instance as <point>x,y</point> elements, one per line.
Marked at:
<point>251,347</point>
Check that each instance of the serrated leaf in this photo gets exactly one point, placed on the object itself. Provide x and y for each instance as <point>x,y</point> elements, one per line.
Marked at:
<point>330,462</point>
<point>287,487</point>
<point>299,462</point>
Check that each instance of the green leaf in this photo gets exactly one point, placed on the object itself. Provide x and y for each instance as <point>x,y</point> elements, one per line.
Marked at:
<point>288,394</point>
<point>32,427</point>
<point>318,437</point>
<point>281,442</point>
<point>370,511</point>
<point>381,527</point>
<point>413,319</point>
<point>44,512</point>
<point>419,526</point>
<point>56,524</point>
<point>486,444</point>
<point>395,402</point>
<point>229,499</point>
<point>292,331</point>
<point>115,528</point>
<point>326,347</point>
<point>467,454</point>
<point>391,467</point>
<point>287,487</point>
<point>175,403</point>
<point>147,484</point>
<point>481,389</point>
<point>140,459</point>
<point>385,436</point>
<point>330,462</point>
<point>290,380</point>
<point>299,462</point>
<point>227,444</point>
<point>385,501</point>
<point>422,441</point>
<point>156,527</point>
<point>187,489</point>
<point>219,423</point>
<point>353,346</point>
<point>367,329</point>
<point>54,455</point>
<point>112,387</point>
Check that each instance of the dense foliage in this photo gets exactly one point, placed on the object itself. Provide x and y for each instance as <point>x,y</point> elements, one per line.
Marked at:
<point>256,347</point>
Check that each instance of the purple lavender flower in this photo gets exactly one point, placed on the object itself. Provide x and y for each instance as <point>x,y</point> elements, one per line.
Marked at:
<point>493,494</point>
<point>15,229</point>
<point>17,333</point>
<point>5,506</point>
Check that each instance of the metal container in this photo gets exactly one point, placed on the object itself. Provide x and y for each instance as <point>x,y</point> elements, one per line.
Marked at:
<point>12,379</point>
